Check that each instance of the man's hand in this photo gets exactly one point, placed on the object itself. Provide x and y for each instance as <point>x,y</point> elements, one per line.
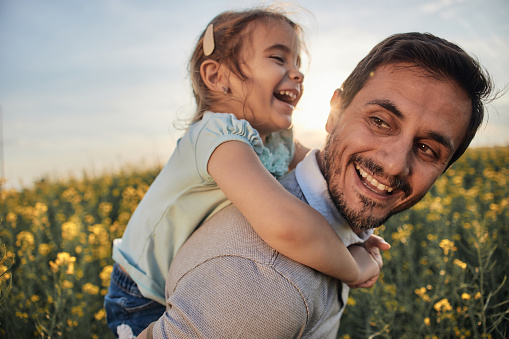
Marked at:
<point>373,246</point>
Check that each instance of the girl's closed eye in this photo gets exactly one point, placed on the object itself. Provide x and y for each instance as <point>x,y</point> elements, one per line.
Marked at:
<point>280,59</point>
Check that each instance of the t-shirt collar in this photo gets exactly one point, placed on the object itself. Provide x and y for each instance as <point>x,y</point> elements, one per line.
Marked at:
<point>315,189</point>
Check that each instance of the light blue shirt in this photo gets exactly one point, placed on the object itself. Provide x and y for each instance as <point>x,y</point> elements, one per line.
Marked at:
<point>184,195</point>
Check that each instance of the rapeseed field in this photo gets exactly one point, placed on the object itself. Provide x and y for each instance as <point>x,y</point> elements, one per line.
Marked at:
<point>444,277</point>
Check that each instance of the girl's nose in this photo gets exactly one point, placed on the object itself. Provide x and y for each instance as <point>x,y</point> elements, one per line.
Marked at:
<point>297,75</point>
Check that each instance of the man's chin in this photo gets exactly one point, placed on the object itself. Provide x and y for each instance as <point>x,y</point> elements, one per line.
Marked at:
<point>364,218</point>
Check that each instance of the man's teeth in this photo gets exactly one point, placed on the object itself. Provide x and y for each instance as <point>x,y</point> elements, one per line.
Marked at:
<point>290,94</point>
<point>372,180</point>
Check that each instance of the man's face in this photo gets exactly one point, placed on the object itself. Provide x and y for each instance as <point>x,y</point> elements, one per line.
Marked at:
<point>387,148</point>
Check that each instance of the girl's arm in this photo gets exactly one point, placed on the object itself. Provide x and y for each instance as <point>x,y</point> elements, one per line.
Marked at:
<point>283,221</point>
<point>368,266</point>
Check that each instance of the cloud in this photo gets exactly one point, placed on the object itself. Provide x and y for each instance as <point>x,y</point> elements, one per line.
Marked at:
<point>439,6</point>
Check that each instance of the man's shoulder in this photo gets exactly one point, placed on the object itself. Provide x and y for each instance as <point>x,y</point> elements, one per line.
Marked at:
<point>226,264</point>
<point>289,181</point>
<point>228,234</point>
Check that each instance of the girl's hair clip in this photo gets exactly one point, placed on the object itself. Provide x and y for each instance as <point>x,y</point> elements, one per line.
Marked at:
<point>208,40</point>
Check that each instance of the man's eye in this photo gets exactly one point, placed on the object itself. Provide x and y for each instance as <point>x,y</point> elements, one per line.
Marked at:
<point>428,151</point>
<point>379,122</point>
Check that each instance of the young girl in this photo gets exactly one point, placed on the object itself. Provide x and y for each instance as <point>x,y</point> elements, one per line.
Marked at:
<point>246,81</point>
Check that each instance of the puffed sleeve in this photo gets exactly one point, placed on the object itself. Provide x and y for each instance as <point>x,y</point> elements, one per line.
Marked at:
<point>278,152</point>
<point>233,297</point>
<point>217,128</point>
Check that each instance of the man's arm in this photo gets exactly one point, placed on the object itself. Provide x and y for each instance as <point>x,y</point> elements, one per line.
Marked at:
<point>232,296</point>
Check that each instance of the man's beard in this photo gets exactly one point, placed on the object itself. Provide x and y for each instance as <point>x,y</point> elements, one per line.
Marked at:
<point>363,217</point>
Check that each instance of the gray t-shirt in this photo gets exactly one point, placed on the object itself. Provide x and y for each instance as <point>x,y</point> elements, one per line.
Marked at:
<point>226,282</point>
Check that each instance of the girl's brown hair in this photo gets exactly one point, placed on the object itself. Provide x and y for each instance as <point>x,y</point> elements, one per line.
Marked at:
<point>230,33</point>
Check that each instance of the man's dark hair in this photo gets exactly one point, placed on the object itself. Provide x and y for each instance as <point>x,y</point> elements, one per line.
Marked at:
<point>441,59</point>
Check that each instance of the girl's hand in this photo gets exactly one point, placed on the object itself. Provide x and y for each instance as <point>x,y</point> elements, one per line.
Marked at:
<point>373,246</point>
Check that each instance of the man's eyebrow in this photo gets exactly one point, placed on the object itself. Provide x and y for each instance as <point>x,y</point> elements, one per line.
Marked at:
<point>388,105</point>
<point>391,107</point>
<point>442,140</point>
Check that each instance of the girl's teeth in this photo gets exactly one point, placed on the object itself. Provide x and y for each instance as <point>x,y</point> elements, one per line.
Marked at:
<point>373,181</point>
<point>288,93</point>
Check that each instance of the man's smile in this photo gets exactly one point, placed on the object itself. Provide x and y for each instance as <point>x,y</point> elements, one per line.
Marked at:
<point>371,183</point>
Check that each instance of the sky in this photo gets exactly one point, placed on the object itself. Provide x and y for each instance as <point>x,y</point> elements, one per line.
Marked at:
<point>101,85</point>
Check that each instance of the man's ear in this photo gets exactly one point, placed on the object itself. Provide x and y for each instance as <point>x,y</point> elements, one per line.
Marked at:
<point>213,75</point>
<point>335,107</point>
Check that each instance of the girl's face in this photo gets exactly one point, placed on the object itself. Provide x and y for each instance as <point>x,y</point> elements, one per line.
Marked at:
<point>273,88</point>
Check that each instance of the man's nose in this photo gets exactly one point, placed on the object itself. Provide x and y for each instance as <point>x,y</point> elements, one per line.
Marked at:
<point>396,157</point>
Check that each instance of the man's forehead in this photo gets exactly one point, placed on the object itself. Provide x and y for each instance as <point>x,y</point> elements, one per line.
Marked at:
<point>410,91</point>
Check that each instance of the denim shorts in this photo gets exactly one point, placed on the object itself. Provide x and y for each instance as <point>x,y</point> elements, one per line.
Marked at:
<point>125,304</point>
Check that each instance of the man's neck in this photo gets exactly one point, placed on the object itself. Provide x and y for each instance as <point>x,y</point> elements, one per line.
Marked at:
<point>319,159</point>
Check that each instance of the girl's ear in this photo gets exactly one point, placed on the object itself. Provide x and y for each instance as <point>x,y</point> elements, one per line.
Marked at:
<point>213,75</point>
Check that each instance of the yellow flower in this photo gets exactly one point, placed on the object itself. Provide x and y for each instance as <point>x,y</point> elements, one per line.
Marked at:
<point>11,217</point>
<point>67,284</point>
<point>90,289</point>
<point>89,219</point>
<point>63,259</point>
<point>72,323</point>
<point>460,263</point>
<point>101,314</point>
<point>477,295</point>
<point>427,321</point>
<point>105,208</point>
<point>105,275</point>
<point>443,305</point>
<point>78,310</point>
<point>447,246</point>
<point>421,292</point>
<point>44,249</point>
<point>465,296</point>
<point>69,230</point>
<point>5,275</point>
<point>431,237</point>
<point>21,315</point>
<point>351,301</point>
<point>26,238</point>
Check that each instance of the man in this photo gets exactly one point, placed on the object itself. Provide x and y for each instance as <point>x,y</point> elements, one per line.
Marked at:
<point>405,114</point>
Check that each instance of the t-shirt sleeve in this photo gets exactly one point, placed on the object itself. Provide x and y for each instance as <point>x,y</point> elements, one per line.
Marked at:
<point>218,128</point>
